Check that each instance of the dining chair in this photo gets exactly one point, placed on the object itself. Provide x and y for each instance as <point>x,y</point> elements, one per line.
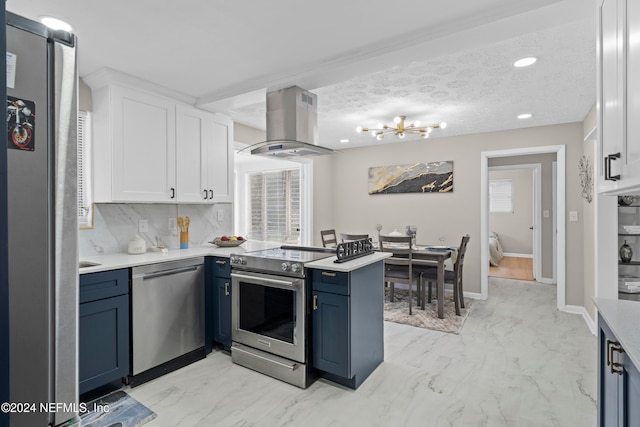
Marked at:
<point>347,237</point>
<point>329,238</point>
<point>429,275</point>
<point>398,268</point>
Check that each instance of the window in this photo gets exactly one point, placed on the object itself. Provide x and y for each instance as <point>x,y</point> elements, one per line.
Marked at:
<point>501,196</point>
<point>274,206</point>
<point>85,205</point>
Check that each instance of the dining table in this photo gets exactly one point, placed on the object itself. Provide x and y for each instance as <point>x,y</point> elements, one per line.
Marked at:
<point>430,255</point>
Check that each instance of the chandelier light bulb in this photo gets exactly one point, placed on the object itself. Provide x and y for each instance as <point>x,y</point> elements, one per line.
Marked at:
<point>397,119</point>
<point>443,125</point>
<point>426,135</point>
<point>416,123</point>
<point>429,130</point>
<point>401,134</point>
<point>380,126</point>
<point>359,129</point>
<point>379,137</point>
<point>373,133</point>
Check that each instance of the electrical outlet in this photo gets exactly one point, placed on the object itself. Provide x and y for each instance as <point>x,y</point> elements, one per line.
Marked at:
<point>143,225</point>
<point>220,215</point>
<point>573,216</point>
<point>173,226</point>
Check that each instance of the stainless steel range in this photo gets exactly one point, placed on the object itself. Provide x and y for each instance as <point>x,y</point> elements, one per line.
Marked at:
<point>271,309</point>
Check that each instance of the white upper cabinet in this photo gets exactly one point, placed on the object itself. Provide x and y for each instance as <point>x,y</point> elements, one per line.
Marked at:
<point>619,96</point>
<point>204,156</point>
<point>150,148</point>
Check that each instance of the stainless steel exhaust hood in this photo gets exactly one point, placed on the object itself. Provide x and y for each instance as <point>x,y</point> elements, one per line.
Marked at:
<point>292,125</point>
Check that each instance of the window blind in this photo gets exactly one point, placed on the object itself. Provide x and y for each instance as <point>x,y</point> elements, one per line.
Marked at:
<point>274,206</point>
<point>501,196</point>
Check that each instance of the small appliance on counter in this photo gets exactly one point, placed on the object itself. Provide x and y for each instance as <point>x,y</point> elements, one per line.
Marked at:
<point>137,246</point>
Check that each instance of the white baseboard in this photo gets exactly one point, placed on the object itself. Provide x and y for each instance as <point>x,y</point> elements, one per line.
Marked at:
<point>546,281</point>
<point>517,255</point>
<point>472,295</point>
<point>576,309</point>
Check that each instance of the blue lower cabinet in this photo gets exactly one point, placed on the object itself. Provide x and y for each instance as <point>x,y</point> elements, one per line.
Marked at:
<point>619,382</point>
<point>330,318</point>
<point>222,311</point>
<point>217,303</point>
<point>103,339</point>
<point>347,332</point>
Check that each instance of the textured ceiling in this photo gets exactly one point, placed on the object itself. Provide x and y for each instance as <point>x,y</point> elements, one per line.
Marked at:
<point>473,91</point>
<point>431,60</point>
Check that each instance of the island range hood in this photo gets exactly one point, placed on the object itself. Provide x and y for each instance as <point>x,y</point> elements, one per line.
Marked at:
<point>292,125</point>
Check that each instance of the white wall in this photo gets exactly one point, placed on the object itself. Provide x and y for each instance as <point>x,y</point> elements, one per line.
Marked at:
<point>513,227</point>
<point>450,214</point>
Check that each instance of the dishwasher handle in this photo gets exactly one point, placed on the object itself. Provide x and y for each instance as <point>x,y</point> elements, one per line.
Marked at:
<point>169,272</point>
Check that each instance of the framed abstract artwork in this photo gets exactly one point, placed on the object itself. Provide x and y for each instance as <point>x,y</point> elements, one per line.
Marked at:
<point>432,177</point>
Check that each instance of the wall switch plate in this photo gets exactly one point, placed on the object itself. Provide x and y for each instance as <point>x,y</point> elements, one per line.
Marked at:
<point>220,215</point>
<point>573,216</point>
<point>545,213</point>
<point>172,226</point>
<point>143,225</point>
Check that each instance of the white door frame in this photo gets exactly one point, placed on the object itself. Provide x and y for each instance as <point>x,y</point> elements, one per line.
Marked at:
<point>560,151</point>
<point>536,171</point>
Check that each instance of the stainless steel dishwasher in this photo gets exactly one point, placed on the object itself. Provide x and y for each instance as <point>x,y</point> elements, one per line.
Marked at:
<point>167,312</point>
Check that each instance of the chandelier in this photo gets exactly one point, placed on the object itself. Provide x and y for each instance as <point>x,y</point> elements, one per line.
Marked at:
<point>401,128</point>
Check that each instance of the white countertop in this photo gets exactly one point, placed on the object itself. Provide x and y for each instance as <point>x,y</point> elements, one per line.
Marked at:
<point>623,317</point>
<point>124,260</point>
<point>329,264</point>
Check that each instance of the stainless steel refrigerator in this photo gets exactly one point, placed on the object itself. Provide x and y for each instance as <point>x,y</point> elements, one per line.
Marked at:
<point>42,216</point>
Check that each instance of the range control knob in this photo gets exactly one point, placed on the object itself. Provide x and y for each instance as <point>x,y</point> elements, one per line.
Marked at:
<point>243,261</point>
<point>234,260</point>
<point>285,266</point>
<point>295,267</point>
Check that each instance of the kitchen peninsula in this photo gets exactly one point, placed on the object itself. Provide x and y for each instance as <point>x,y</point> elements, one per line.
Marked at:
<point>344,309</point>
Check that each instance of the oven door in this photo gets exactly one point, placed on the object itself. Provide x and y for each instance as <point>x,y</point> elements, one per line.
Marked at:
<point>268,313</point>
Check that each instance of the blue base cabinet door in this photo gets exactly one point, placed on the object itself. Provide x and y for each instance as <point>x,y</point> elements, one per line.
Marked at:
<point>103,342</point>
<point>222,311</point>
<point>331,352</point>
<point>217,303</point>
<point>619,382</point>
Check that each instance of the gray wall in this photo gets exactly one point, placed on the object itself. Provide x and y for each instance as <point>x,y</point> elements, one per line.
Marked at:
<point>348,206</point>
<point>513,227</point>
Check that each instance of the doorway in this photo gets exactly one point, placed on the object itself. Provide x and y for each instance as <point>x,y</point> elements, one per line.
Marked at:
<point>515,221</point>
<point>558,214</point>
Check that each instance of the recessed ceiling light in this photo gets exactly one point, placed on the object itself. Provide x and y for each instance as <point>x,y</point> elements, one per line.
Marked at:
<point>525,116</point>
<point>344,141</point>
<point>55,23</point>
<point>525,62</point>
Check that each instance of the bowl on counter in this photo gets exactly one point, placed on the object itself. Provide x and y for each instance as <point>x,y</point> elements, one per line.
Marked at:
<point>227,243</point>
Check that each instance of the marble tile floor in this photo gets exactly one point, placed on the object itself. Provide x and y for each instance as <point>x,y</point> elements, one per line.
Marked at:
<point>517,362</point>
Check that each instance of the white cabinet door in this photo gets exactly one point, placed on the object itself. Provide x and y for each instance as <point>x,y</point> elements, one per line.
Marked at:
<point>191,128</point>
<point>218,159</point>
<point>204,157</point>
<point>612,95</point>
<point>620,96</point>
<point>143,144</point>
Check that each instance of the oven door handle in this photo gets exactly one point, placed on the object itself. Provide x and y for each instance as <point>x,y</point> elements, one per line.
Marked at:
<point>265,280</point>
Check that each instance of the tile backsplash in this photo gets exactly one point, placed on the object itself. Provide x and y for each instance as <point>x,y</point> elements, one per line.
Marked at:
<point>114,225</point>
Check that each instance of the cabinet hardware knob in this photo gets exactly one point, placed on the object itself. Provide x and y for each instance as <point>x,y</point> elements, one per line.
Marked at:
<point>226,289</point>
<point>326,273</point>
<point>315,302</point>
<point>220,262</point>
<point>173,193</point>
<point>205,194</point>
<point>211,194</point>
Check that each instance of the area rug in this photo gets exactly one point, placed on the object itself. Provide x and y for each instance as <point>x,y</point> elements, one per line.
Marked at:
<point>398,312</point>
<point>117,409</point>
